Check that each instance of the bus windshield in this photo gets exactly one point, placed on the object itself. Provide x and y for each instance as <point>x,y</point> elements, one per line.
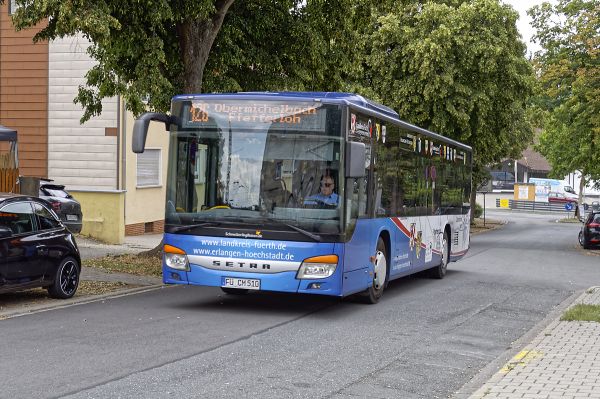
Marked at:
<point>270,165</point>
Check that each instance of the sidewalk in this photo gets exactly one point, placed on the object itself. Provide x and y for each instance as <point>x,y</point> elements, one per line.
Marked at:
<point>563,361</point>
<point>91,248</point>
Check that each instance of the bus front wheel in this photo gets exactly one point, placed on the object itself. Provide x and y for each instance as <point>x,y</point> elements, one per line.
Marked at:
<point>375,291</point>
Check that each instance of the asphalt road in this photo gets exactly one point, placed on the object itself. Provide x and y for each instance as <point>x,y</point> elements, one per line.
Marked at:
<point>425,339</point>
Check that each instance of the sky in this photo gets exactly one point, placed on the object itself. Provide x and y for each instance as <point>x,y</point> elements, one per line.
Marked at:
<point>523,24</point>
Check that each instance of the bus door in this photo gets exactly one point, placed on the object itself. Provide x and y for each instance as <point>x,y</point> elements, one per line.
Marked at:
<point>359,226</point>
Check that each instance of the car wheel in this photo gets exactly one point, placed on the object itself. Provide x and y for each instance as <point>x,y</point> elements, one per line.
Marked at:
<point>373,294</point>
<point>66,279</point>
<point>234,291</point>
<point>581,239</point>
<point>439,272</point>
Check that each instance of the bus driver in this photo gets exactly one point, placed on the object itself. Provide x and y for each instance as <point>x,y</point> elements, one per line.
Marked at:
<point>325,196</point>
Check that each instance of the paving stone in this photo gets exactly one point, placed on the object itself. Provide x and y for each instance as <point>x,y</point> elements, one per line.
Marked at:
<point>563,360</point>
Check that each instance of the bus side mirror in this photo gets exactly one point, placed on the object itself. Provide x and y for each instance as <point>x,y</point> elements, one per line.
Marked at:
<point>140,129</point>
<point>355,159</point>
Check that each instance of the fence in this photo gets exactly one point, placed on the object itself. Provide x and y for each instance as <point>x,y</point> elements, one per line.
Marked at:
<point>8,180</point>
<point>534,206</point>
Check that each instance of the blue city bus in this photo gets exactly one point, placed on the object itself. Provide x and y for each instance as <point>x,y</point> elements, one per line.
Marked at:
<point>314,193</point>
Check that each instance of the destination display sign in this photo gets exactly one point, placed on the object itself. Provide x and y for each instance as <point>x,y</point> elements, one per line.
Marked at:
<point>270,114</point>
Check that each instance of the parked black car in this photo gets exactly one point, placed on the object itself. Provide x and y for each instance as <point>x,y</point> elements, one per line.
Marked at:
<point>589,236</point>
<point>66,207</point>
<point>36,249</point>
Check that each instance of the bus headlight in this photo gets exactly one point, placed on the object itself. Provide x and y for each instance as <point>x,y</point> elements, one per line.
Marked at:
<point>318,267</point>
<point>176,258</point>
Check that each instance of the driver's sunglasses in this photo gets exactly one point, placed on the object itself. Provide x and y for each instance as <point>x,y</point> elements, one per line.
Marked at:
<point>327,184</point>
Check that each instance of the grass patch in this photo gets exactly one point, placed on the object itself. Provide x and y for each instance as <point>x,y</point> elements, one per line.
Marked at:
<point>490,224</point>
<point>569,220</point>
<point>131,264</point>
<point>582,312</point>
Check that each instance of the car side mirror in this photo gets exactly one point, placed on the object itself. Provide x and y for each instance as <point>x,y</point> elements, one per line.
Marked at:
<point>5,232</point>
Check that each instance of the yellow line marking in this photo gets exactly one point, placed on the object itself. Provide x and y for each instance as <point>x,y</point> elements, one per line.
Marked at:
<point>520,359</point>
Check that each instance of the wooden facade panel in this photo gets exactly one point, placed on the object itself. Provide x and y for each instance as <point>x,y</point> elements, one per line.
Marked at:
<point>22,82</point>
<point>14,90</point>
<point>37,50</point>
<point>24,99</point>
<point>16,123</point>
<point>29,139</point>
<point>29,74</point>
<point>21,57</point>
<point>39,146</point>
<point>24,93</point>
<point>36,113</point>
<point>32,155</point>
<point>23,104</point>
<point>35,64</point>
<point>54,155</point>
<point>79,154</point>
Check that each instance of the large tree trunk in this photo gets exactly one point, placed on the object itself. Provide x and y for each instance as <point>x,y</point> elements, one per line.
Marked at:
<point>582,184</point>
<point>196,38</point>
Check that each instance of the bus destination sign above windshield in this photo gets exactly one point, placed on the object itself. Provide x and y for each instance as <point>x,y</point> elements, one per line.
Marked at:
<point>295,116</point>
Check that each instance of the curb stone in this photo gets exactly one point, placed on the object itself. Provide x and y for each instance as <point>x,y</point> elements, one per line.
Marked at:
<point>78,301</point>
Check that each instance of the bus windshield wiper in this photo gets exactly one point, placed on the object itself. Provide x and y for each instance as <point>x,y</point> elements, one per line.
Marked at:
<point>315,237</point>
<point>192,226</point>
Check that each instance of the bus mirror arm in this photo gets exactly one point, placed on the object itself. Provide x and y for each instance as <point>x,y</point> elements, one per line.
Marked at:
<point>140,129</point>
<point>355,159</point>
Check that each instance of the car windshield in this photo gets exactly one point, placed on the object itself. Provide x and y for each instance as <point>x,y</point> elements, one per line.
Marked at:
<point>270,164</point>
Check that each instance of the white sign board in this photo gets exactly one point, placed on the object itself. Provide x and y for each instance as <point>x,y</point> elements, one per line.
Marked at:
<point>541,192</point>
<point>523,193</point>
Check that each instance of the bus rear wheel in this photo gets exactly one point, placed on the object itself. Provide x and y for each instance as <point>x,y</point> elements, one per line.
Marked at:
<point>373,294</point>
<point>439,271</point>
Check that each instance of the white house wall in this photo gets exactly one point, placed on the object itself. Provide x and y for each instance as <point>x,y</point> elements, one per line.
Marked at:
<point>79,156</point>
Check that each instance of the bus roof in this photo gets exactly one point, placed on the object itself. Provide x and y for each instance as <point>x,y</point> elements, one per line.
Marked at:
<point>327,97</point>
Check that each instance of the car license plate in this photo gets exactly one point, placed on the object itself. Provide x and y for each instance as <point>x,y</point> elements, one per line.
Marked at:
<point>72,218</point>
<point>242,283</point>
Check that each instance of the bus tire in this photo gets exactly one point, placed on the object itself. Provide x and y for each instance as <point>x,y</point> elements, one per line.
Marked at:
<point>234,291</point>
<point>373,294</point>
<point>439,271</point>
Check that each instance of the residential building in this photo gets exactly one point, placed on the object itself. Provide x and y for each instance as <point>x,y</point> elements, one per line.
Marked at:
<point>121,193</point>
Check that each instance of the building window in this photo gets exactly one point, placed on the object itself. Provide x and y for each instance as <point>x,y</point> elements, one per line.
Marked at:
<point>12,7</point>
<point>148,168</point>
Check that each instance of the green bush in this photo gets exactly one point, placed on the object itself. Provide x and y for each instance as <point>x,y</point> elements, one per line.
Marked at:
<point>478,211</point>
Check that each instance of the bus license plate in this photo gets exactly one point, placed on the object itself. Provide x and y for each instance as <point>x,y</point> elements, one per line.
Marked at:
<point>243,283</point>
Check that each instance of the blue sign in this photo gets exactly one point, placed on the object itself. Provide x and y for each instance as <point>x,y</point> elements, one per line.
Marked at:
<point>569,206</point>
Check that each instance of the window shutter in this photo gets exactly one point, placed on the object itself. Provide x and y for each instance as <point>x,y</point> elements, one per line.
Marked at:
<point>148,168</point>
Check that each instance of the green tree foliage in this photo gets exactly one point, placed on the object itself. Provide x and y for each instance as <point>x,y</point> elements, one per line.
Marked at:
<point>455,67</point>
<point>279,45</point>
<point>152,50</point>
<point>568,67</point>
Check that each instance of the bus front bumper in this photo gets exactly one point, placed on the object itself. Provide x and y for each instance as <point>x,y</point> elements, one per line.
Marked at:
<point>278,282</point>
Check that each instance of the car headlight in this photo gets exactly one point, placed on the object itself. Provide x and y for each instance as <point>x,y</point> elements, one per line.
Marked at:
<point>317,267</point>
<point>176,258</point>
